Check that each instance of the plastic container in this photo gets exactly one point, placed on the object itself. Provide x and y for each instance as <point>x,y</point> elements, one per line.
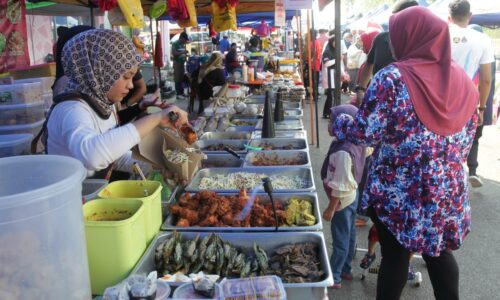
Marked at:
<point>32,128</point>
<point>186,291</point>
<point>20,93</point>
<point>162,290</point>
<point>258,288</point>
<point>135,189</point>
<point>46,82</point>
<point>42,241</point>
<point>21,114</point>
<point>92,187</point>
<point>42,70</point>
<point>233,91</point>
<point>47,100</point>
<point>15,144</point>
<point>116,239</point>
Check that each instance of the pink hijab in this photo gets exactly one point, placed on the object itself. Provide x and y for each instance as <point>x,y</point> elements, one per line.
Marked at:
<point>443,96</point>
<point>367,39</point>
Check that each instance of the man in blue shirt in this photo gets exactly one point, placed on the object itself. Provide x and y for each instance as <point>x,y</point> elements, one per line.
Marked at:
<point>224,45</point>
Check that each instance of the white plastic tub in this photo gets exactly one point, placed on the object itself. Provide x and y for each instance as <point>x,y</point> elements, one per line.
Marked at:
<point>32,128</point>
<point>20,93</point>
<point>20,114</point>
<point>42,239</point>
<point>15,144</point>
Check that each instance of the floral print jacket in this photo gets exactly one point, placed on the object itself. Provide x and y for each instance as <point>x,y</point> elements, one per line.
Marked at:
<point>416,181</point>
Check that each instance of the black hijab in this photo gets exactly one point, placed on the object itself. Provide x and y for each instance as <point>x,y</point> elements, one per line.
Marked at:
<point>63,39</point>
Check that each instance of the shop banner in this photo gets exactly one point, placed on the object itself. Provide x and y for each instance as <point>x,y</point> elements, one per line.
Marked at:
<point>279,13</point>
<point>13,46</point>
<point>298,4</point>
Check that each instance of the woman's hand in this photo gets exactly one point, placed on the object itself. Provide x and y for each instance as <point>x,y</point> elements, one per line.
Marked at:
<point>153,100</point>
<point>173,123</point>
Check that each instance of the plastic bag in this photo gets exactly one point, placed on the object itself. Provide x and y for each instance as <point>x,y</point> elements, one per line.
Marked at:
<point>191,21</point>
<point>132,10</point>
<point>177,10</point>
<point>224,18</point>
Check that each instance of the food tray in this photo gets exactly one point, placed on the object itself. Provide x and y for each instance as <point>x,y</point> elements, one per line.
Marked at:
<point>267,240</point>
<point>169,223</point>
<point>226,136</point>
<point>294,113</point>
<point>280,134</point>
<point>286,125</point>
<point>300,155</point>
<point>221,161</point>
<point>305,173</point>
<point>295,144</point>
<point>202,144</point>
<point>256,124</point>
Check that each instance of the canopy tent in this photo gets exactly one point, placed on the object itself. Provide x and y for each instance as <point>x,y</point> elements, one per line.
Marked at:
<point>47,8</point>
<point>487,19</point>
<point>362,23</point>
<point>244,19</point>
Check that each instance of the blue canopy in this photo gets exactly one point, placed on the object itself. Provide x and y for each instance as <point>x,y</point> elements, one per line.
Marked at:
<point>487,19</point>
<point>247,19</point>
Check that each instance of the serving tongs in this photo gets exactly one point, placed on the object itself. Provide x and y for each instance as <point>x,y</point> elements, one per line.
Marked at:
<point>233,153</point>
<point>268,188</point>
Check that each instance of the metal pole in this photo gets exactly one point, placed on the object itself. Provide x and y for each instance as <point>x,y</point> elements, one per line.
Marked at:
<point>92,21</point>
<point>152,47</point>
<point>299,37</point>
<point>311,97</point>
<point>315,80</point>
<point>338,54</point>
<point>159,67</point>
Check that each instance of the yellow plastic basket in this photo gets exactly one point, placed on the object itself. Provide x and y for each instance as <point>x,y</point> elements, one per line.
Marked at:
<point>147,191</point>
<point>116,239</point>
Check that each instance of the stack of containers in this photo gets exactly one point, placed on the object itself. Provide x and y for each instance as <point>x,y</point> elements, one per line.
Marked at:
<point>21,112</point>
<point>47,83</point>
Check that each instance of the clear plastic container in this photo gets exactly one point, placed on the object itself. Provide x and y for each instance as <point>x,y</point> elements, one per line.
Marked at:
<point>116,239</point>
<point>32,128</point>
<point>21,114</point>
<point>20,93</point>
<point>233,91</point>
<point>42,242</point>
<point>15,144</point>
<point>47,100</point>
<point>92,187</point>
<point>258,288</point>
<point>162,290</point>
<point>186,291</point>
<point>46,82</point>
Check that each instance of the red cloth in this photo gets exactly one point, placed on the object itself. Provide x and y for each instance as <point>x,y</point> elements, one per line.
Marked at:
<point>443,96</point>
<point>367,39</point>
<point>158,58</point>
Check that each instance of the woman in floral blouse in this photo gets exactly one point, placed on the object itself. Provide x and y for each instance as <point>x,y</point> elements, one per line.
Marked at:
<point>419,115</point>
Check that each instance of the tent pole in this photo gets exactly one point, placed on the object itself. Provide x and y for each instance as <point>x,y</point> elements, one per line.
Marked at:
<point>338,55</point>
<point>311,93</point>
<point>299,35</point>
<point>92,21</point>
<point>316,82</point>
<point>159,67</point>
<point>152,46</point>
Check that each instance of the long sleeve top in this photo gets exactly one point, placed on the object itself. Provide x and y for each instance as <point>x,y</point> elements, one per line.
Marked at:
<point>75,130</point>
<point>416,182</point>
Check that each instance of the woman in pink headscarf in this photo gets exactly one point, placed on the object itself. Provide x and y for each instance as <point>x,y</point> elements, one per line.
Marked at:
<point>419,114</point>
<point>367,40</point>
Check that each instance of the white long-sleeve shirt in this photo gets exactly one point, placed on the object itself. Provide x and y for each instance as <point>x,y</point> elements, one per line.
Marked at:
<point>76,130</point>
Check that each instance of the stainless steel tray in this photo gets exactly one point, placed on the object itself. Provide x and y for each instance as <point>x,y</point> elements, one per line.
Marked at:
<point>279,134</point>
<point>254,121</point>
<point>222,161</point>
<point>295,144</point>
<point>269,241</point>
<point>202,144</point>
<point>294,113</point>
<point>226,136</point>
<point>305,173</point>
<point>285,125</point>
<point>170,221</point>
<point>301,155</point>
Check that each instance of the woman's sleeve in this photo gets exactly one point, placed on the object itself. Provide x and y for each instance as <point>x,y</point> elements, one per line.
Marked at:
<point>94,149</point>
<point>128,114</point>
<point>369,125</point>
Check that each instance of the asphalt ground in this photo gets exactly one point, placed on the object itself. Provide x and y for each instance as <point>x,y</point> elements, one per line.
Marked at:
<point>478,259</point>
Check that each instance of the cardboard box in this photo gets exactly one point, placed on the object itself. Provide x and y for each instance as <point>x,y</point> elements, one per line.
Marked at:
<point>152,147</point>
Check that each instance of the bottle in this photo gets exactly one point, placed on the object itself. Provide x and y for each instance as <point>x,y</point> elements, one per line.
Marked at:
<point>244,70</point>
<point>268,122</point>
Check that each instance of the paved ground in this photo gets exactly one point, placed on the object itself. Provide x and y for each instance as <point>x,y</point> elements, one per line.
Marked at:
<point>478,259</point>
